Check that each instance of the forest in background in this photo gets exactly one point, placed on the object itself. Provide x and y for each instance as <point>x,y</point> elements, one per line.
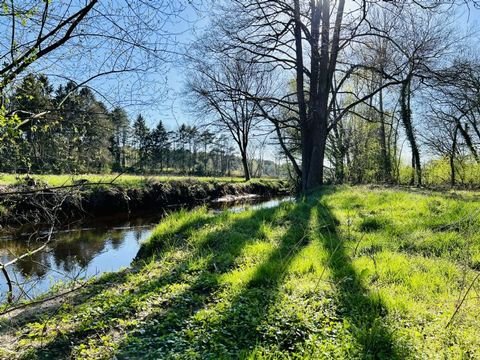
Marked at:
<point>78,134</point>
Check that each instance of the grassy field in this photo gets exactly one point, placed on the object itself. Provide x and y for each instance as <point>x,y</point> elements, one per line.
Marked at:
<point>124,179</point>
<point>345,273</point>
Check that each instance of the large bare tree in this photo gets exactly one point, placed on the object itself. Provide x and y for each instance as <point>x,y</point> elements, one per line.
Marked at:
<point>311,43</point>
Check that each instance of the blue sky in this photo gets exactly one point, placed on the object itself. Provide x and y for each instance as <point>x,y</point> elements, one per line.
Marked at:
<point>173,111</point>
<point>171,108</point>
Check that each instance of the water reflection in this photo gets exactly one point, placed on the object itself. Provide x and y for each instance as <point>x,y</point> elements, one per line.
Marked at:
<point>103,246</point>
<point>74,254</point>
<point>253,204</point>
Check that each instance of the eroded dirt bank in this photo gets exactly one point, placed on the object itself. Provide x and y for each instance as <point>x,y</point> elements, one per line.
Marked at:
<point>37,205</point>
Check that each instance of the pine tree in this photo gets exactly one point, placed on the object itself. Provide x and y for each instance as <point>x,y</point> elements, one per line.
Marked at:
<point>119,138</point>
<point>141,134</point>
<point>159,145</point>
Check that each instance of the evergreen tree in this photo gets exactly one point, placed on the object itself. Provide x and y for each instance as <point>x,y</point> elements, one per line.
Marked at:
<point>182,140</point>
<point>32,102</point>
<point>96,155</point>
<point>141,135</point>
<point>83,136</point>
<point>206,139</point>
<point>159,143</point>
<point>119,138</point>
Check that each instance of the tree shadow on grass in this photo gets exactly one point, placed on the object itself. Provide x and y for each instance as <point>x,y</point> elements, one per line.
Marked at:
<point>170,298</point>
<point>364,311</point>
<point>235,326</point>
<point>189,312</point>
<point>227,329</point>
<point>231,324</point>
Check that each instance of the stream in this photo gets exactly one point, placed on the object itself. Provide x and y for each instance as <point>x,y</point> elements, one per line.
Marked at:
<point>102,246</point>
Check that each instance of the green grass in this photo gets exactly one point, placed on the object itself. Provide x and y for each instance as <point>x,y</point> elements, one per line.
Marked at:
<point>346,273</point>
<point>124,179</point>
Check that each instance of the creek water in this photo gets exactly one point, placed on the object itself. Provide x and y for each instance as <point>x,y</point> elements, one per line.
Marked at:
<point>85,252</point>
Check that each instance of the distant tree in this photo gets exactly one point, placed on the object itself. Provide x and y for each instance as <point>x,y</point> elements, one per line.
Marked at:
<point>424,43</point>
<point>222,88</point>
<point>83,136</point>
<point>95,155</point>
<point>455,98</point>
<point>441,138</point>
<point>33,96</point>
<point>141,134</point>
<point>207,139</point>
<point>159,146</point>
<point>72,126</point>
<point>181,140</point>
<point>192,135</point>
<point>119,137</point>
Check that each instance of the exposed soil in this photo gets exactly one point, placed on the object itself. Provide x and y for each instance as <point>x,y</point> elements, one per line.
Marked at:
<point>33,205</point>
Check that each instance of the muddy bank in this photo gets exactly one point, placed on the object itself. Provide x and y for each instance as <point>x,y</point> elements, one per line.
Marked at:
<point>32,205</point>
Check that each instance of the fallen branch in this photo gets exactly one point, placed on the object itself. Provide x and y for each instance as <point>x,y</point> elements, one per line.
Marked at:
<point>30,253</point>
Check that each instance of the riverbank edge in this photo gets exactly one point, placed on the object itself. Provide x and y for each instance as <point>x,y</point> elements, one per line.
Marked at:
<point>34,205</point>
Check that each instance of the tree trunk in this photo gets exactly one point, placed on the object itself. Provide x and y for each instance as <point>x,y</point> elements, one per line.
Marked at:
<point>246,169</point>
<point>385,159</point>
<point>452,157</point>
<point>316,152</point>
<point>468,140</point>
<point>315,174</point>
<point>287,152</point>
<point>302,107</point>
<point>407,123</point>
<point>314,120</point>
<point>452,170</point>
<point>339,154</point>
<point>205,160</point>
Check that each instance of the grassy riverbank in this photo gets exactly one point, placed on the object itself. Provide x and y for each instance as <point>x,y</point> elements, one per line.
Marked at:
<point>344,273</point>
<point>122,180</point>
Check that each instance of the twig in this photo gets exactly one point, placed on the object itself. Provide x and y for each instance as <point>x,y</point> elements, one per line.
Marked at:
<point>36,302</point>
<point>30,253</point>
<point>457,309</point>
<point>9,283</point>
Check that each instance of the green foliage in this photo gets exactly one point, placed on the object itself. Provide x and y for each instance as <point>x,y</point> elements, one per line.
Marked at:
<point>438,172</point>
<point>8,126</point>
<point>355,149</point>
<point>324,277</point>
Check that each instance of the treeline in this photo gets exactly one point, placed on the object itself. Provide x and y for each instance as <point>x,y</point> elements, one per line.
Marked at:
<point>369,149</point>
<point>68,130</point>
<point>355,93</point>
